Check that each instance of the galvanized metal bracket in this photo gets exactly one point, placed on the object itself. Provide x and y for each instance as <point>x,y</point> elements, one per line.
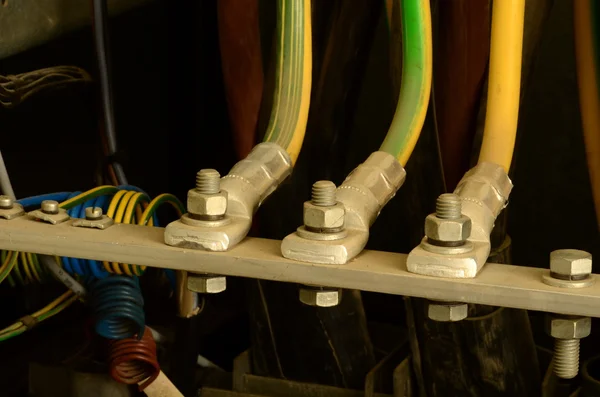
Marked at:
<point>364,193</point>
<point>248,184</point>
<point>484,191</point>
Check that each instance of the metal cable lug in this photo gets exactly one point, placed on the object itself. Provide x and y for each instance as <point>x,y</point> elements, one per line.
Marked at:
<point>220,211</point>
<point>459,248</point>
<point>361,197</point>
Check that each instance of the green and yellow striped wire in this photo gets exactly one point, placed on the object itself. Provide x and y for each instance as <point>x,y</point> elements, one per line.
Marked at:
<point>417,70</point>
<point>293,76</point>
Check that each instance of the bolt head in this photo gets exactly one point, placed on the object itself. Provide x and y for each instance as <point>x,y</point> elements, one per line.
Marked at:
<point>207,204</point>
<point>447,312</point>
<point>50,206</point>
<point>206,283</point>
<point>324,217</point>
<point>93,213</point>
<point>319,297</point>
<point>6,202</point>
<point>447,230</point>
<point>568,327</point>
<point>570,262</point>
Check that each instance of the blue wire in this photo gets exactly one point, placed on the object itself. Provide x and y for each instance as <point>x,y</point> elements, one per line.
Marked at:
<point>62,196</point>
<point>88,269</point>
<point>118,307</point>
<point>37,200</point>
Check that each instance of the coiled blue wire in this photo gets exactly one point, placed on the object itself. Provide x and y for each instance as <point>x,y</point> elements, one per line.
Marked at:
<point>118,307</point>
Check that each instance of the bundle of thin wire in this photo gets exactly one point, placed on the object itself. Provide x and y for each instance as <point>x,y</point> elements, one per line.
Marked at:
<point>14,89</point>
<point>587,53</point>
<point>50,310</point>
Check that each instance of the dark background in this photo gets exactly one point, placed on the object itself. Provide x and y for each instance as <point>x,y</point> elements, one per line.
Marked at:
<point>172,120</point>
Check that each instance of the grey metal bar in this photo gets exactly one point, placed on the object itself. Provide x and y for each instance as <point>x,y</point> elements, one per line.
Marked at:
<point>498,285</point>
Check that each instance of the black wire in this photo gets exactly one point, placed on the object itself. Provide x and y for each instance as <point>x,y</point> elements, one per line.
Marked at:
<point>100,22</point>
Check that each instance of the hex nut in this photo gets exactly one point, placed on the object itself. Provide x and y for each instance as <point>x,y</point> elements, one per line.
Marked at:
<point>447,312</point>
<point>447,230</point>
<point>317,217</point>
<point>207,204</point>
<point>568,327</point>
<point>206,283</point>
<point>320,297</point>
<point>569,262</point>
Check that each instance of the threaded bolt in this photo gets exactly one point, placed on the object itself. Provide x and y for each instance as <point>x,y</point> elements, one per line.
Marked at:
<point>93,213</point>
<point>448,206</point>
<point>323,194</point>
<point>50,207</point>
<point>208,181</point>
<point>6,202</point>
<point>566,358</point>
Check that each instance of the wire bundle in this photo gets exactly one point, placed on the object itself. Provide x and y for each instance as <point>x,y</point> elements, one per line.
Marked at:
<point>25,270</point>
<point>118,307</point>
<point>132,360</point>
<point>15,89</point>
<point>27,322</point>
<point>125,204</point>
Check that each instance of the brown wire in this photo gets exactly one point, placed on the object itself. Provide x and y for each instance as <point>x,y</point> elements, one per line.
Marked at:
<point>131,361</point>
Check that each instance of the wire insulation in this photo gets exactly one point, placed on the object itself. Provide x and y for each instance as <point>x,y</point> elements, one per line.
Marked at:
<point>589,98</point>
<point>133,360</point>
<point>52,265</point>
<point>504,83</point>
<point>293,76</point>
<point>5,184</point>
<point>118,307</point>
<point>100,25</point>
<point>15,89</point>
<point>417,69</point>
<point>48,311</point>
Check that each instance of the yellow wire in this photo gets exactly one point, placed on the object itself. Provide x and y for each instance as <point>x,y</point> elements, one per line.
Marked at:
<point>114,202</point>
<point>34,271</point>
<point>589,102</point>
<point>25,266</point>
<point>298,136</point>
<point>53,304</point>
<point>72,199</point>
<point>121,208</point>
<point>40,312</point>
<point>112,207</point>
<point>418,120</point>
<point>504,83</point>
<point>133,204</point>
